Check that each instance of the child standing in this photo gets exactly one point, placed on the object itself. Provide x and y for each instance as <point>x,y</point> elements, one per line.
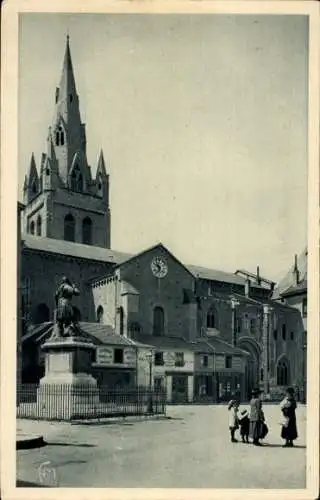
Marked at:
<point>233,419</point>
<point>244,422</point>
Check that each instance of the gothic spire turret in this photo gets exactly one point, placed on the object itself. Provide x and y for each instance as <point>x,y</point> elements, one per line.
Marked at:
<point>101,169</point>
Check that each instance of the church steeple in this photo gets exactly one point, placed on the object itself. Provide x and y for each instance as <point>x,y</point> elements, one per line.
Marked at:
<point>68,131</point>
<point>65,201</point>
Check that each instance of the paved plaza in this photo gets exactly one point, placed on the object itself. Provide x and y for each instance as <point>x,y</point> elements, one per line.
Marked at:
<point>191,449</point>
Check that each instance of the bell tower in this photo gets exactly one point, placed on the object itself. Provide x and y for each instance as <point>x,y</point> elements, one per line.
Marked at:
<point>69,202</point>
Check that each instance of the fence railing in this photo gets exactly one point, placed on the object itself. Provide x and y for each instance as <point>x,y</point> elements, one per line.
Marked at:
<point>68,402</point>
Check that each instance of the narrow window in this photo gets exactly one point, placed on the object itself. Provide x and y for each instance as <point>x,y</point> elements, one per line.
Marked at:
<point>228,361</point>
<point>283,372</point>
<point>292,335</point>
<point>275,334</point>
<point>211,319</point>
<point>204,360</point>
<point>179,359</point>
<point>158,321</point>
<point>76,180</point>
<point>118,356</point>
<point>87,231</point>
<point>100,314</point>
<point>121,320</point>
<point>39,223</point>
<point>32,227</point>
<point>284,332</point>
<point>69,228</point>
<point>158,359</point>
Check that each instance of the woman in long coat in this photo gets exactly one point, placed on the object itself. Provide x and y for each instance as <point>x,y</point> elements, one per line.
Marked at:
<point>256,417</point>
<point>289,426</point>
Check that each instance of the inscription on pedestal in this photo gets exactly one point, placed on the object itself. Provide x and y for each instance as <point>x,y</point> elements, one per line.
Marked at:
<point>59,362</point>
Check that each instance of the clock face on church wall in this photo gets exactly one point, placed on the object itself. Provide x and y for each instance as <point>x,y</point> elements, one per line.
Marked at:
<point>159,267</point>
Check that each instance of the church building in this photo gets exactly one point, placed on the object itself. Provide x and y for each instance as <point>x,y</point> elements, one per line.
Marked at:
<point>199,333</point>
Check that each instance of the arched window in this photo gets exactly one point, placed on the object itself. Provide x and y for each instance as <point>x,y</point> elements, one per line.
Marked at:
<point>158,321</point>
<point>69,228</point>
<point>76,180</point>
<point>121,320</point>
<point>100,314</point>
<point>59,136</point>
<point>211,319</point>
<point>32,227</point>
<point>76,314</point>
<point>87,231</point>
<point>283,372</point>
<point>100,185</point>
<point>39,224</point>
<point>42,314</point>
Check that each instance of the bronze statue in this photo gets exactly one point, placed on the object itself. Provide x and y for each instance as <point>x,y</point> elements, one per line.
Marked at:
<point>65,320</point>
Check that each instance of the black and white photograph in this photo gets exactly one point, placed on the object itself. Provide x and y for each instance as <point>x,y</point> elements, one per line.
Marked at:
<point>164,195</point>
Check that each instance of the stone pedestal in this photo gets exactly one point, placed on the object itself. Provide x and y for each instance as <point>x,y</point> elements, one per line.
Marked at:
<point>68,389</point>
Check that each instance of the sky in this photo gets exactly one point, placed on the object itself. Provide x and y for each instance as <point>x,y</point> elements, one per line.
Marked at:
<point>202,120</point>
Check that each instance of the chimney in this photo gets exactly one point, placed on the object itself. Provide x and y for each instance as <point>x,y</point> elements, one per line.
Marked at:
<point>296,270</point>
<point>258,276</point>
<point>247,288</point>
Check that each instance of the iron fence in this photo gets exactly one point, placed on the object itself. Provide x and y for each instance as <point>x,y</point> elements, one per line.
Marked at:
<point>68,402</point>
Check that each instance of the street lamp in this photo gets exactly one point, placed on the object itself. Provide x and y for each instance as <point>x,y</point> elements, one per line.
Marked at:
<point>149,357</point>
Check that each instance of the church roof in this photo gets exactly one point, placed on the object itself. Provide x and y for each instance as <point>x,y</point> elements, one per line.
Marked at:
<point>72,249</point>
<point>215,275</point>
<point>287,283</point>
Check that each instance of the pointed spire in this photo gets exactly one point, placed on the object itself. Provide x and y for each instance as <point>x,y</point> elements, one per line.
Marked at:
<point>101,169</point>
<point>67,85</point>
<point>51,150</point>
<point>33,174</point>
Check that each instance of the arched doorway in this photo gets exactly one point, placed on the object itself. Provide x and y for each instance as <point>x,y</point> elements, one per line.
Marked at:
<point>252,371</point>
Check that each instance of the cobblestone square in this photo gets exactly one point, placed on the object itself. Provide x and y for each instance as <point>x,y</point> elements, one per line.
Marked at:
<point>191,449</point>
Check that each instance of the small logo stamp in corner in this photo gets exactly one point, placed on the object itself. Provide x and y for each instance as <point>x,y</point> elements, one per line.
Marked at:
<point>47,474</point>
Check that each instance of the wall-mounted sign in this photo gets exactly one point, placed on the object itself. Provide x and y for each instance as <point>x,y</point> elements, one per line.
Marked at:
<point>104,355</point>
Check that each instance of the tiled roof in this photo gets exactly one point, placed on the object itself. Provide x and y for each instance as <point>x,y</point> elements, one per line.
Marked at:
<point>288,280</point>
<point>222,347</point>
<point>163,342</point>
<point>214,275</point>
<point>72,249</point>
<point>295,289</point>
<point>222,276</point>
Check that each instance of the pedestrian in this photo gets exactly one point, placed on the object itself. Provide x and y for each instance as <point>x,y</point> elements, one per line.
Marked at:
<point>256,417</point>
<point>244,423</point>
<point>289,424</point>
<point>233,418</point>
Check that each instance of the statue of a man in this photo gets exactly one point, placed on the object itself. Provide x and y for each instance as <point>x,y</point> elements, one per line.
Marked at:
<point>65,317</point>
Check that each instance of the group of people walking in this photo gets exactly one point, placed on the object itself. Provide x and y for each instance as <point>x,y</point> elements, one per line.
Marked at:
<point>252,424</point>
